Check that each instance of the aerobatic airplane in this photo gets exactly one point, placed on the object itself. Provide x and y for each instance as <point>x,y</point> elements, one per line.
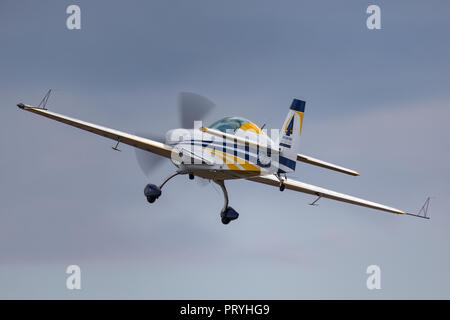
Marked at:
<point>231,148</point>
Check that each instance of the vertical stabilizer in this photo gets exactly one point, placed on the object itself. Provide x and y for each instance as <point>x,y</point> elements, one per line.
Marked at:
<point>290,136</point>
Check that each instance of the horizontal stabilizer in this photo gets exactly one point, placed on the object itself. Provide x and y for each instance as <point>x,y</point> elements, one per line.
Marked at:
<point>326,165</point>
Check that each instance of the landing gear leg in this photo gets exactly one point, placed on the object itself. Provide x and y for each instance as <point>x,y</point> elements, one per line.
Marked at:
<point>228,213</point>
<point>168,178</point>
<point>281,179</point>
<point>153,192</point>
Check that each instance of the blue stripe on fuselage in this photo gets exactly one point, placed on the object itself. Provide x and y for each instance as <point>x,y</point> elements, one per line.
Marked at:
<point>249,154</point>
<point>287,162</point>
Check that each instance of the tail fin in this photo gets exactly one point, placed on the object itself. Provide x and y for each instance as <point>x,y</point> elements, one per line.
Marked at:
<point>290,136</point>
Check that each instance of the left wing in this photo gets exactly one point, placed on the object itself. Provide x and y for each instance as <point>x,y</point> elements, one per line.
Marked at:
<point>321,192</point>
<point>123,137</point>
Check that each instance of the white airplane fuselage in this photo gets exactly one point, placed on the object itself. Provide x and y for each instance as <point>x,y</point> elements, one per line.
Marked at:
<point>213,157</point>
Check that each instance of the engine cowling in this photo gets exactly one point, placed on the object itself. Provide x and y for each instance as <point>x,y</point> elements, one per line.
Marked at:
<point>175,136</point>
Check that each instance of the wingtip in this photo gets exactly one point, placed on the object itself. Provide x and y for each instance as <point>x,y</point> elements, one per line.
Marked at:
<point>423,212</point>
<point>24,106</point>
<point>417,215</point>
<point>351,172</point>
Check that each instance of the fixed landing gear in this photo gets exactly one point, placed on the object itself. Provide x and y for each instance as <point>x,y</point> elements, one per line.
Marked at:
<point>281,179</point>
<point>227,214</point>
<point>153,192</point>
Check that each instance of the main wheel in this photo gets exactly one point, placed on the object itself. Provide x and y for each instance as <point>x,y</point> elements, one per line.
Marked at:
<point>152,192</point>
<point>229,215</point>
<point>282,187</point>
<point>225,220</point>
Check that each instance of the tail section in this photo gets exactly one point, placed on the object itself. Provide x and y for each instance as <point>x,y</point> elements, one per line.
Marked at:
<point>290,136</point>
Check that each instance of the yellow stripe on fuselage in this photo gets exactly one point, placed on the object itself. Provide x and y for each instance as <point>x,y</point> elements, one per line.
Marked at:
<point>251,127</point>
<point>224,159</point>
<point>242,162</point>
<point>248,167</point>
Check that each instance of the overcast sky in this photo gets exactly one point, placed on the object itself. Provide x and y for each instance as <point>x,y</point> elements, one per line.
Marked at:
<point>377,101</point>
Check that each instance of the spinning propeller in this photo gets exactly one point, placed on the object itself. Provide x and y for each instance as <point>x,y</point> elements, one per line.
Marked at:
<point>191,107</point>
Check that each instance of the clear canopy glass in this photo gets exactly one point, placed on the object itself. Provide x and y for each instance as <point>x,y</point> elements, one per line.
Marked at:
<point>229,124</point>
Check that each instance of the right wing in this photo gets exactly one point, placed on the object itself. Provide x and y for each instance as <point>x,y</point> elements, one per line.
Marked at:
<point>321,192</point>
<point>326,165</point>
<point>123,137</point>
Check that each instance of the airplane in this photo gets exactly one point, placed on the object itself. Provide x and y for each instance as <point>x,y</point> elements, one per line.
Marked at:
<point>230,148</point>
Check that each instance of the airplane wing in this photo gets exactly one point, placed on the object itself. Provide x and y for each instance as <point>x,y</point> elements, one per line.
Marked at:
<point>324,193</point>
<point>126,138</point>
<point>326,165</point>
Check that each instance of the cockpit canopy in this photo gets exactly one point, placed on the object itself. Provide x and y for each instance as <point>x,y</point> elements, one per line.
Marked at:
<point>231,124</point>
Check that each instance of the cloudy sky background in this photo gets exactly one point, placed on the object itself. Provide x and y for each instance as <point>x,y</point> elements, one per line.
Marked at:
<point>377,102</point>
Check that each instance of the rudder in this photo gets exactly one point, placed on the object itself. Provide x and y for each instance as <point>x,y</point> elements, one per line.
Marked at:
<point>290,136</point>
